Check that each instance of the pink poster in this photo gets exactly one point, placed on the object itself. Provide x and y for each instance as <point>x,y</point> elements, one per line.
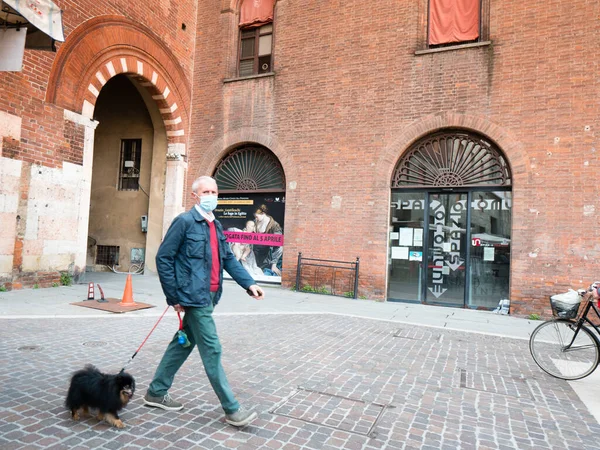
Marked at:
<point>242,237</point>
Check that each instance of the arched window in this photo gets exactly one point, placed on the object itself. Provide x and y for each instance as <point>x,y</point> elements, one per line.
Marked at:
<point>450,222</point>
<point>251,209</point>
<point>452,158</point>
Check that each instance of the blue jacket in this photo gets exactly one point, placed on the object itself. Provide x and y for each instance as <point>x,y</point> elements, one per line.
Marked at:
<point>184,261</point>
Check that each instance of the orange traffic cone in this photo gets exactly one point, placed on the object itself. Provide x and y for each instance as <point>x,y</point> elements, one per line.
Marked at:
<point>127,299</point>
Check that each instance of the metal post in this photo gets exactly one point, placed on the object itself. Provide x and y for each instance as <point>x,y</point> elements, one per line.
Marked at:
<point>298,271</point>
<point>356,278</point>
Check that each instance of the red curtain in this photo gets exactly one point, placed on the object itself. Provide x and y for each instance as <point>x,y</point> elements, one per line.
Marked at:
<point>453,21</point>
<point>255,13</point>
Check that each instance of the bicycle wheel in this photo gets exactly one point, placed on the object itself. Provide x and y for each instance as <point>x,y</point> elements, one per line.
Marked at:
<point>548,347</point>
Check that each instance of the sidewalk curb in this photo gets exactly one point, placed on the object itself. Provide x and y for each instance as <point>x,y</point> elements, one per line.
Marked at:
<point>274,313</point>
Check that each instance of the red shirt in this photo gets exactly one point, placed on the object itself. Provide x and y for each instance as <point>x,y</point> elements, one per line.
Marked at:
<point>214,249</point>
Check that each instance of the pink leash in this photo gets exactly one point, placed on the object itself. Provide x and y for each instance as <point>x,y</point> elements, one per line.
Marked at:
<point>151,331</point>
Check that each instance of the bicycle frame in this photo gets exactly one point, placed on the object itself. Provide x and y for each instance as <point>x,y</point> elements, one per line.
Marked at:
<point>580,321</point>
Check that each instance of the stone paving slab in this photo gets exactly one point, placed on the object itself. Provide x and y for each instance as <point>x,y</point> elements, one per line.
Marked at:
<point>438,389</point>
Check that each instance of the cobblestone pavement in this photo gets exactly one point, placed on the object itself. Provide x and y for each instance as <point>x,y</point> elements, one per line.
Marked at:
<point>318,382</point>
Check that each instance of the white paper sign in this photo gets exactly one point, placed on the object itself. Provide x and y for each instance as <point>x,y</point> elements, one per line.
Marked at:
<point>12,49</point>
<point>447,247</point>
<point>406,236</point>
<point>445,270</point>
<point>399,252</point>
<point>394,236</point>
<point>488,253</point>
<point>418,237</point>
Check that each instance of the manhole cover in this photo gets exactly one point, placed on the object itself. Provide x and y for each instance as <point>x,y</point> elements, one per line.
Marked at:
<point>496,384</point>
<point>332,411</point>
<point>95,344</point>
<point>29,348</point>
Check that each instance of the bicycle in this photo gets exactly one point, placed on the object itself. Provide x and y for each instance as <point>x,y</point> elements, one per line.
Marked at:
<point>564,346</point>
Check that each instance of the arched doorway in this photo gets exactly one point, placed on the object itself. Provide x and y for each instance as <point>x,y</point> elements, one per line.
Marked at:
<point>251,208</point>
<point>127,189</point>
<point>450,222</point>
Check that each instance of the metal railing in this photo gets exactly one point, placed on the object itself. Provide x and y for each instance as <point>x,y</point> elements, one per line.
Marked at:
<point>323,265</point>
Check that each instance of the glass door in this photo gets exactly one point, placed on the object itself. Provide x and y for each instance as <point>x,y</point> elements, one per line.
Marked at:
<point>450,248</point>
<point>489,259</point>
<point>446,249</point>
<point>405,244</point>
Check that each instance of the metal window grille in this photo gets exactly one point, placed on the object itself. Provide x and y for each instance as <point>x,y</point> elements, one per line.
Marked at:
<point>452,158</point>
<point>250,169</point>
<point>107,255</point>
<point>129,168</point>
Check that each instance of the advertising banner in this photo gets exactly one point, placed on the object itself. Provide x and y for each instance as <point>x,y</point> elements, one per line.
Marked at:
<point>254,224</point>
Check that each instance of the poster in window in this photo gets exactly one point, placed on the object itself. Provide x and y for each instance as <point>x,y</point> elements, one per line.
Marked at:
<point>253,224</point>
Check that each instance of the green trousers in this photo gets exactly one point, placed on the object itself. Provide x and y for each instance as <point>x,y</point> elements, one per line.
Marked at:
<point>201,330</point>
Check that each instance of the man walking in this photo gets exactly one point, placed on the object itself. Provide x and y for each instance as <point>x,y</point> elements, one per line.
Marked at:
<point>190,263</point>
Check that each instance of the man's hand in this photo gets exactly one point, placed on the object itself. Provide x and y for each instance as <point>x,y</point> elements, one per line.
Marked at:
<point>275,270</point>
<point>179,308</point>
<point>256,292</point>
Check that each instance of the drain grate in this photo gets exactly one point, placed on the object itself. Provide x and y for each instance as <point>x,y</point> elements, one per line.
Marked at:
<point>95,344</point>
<point>29,348</point>
<point>332,411</point>
<point>496,384</point>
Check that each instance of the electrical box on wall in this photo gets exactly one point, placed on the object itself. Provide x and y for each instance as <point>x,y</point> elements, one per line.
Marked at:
<point>144,224</point>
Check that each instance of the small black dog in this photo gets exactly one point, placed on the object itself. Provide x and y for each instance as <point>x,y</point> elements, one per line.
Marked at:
<point>91,388</point>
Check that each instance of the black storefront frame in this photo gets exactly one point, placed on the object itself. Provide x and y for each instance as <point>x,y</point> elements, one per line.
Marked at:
<point>461,190</point>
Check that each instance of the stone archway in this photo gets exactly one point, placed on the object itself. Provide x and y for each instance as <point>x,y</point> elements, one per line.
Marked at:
<point>99,50</point>
<point>118,45</point>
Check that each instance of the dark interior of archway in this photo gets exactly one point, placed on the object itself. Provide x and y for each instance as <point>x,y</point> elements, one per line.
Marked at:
<point>121,175</point>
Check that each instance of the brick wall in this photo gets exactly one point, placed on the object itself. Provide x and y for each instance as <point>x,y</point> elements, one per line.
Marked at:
<point>73,150</point>
<point>51,216</point>
<point>348,86</point>
<point>44,139</point>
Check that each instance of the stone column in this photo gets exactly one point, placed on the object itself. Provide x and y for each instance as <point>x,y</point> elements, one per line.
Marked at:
<point>174,187</point>
<point>10,182</point>
<point>86,187</point>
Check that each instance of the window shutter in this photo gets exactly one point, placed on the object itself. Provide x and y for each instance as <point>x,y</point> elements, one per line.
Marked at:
<point>453,21</point>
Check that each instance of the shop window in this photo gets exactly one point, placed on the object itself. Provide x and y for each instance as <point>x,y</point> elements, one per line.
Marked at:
<point>455,22</point>
<point>450,229</point>
<point>107,255</point>
<point>251,209</point>
<point>129,167</point>
<point>256,37</point>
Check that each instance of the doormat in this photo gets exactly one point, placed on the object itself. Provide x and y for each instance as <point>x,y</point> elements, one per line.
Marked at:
<point>114,305</point>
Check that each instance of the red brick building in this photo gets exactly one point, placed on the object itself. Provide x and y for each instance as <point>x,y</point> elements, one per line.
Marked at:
<point>353,88</point>
<point>459,167</point>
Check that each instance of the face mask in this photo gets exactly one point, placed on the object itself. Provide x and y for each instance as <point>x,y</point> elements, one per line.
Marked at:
<point>208,202</point>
